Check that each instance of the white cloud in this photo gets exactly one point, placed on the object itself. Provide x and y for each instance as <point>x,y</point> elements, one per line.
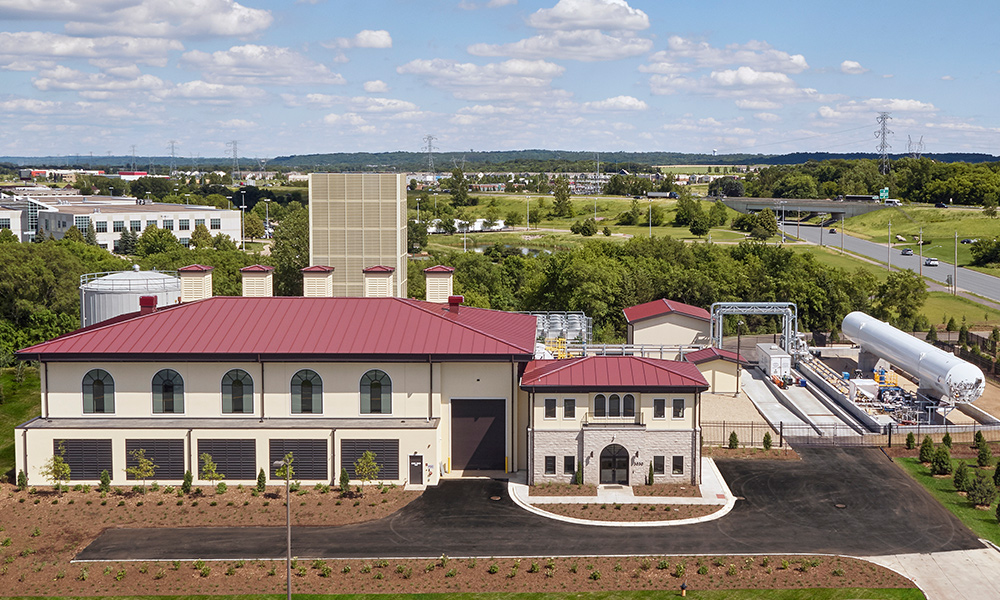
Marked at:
<point>39,44</point>
<point>366,38</point>
<point>499,3</point>
<point>237,124</point>
<point>947,78</point>
<point>376,86</point>
<point>767,117</point>
<point>381,105</point>
<point>527,80</point>
<point>757,104</point>
<point>30,106</point>
<point>611,15</point>
<point>871,105</point>
<point>683,55</point>
<point>346,119</point>
<point>618,103</point>
<point>146,18</point>
<point>852,67</point>
<point>749,77</point>
<point>203,91</point>
<point>583,45</point>
<point>488,109</point>
<point>259,64</point>
<point>95,84</point>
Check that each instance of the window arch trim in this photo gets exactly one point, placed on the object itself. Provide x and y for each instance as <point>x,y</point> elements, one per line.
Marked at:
<point>98,392</point>
<point>168,392</point>
<point>376,393</point>
<point>237,392</point>
<point>307,393</point>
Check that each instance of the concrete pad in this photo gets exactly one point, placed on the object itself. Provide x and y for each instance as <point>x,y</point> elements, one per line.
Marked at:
<point>957,575</point>
<point>768,405</point>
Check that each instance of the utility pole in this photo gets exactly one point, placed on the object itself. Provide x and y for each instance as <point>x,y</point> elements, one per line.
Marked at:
<point>888,244</point>
<point>172,144</point>
<point>955,279</point>
<point>429,149</point>
<point>883,146</point>
<point>921,250</point>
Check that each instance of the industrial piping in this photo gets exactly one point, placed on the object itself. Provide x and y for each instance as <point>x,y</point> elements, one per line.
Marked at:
<point>956,381</point>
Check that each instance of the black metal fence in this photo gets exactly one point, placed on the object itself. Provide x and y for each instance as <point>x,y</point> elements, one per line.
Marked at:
<point>750,434</point>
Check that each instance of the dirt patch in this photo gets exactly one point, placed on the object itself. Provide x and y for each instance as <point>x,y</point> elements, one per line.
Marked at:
<point>963,451</point>
<point>669,490</point>
<point>562,489</point>
<point>631,512</point>
<point>786,453</point>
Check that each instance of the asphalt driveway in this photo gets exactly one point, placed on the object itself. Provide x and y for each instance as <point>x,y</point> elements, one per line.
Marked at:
<point>785,507</point>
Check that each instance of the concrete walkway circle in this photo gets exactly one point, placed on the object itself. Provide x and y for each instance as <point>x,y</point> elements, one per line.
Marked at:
<point>713,491</point>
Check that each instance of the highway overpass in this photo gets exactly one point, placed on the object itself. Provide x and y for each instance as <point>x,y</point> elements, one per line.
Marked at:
<point>837,209</point>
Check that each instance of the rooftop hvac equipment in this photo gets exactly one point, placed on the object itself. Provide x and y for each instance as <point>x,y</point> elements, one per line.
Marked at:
<point>948,376</point>
<point>112,293</point>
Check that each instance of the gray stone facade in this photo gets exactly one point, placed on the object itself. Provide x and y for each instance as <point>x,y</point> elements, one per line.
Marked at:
<point>641,444</point>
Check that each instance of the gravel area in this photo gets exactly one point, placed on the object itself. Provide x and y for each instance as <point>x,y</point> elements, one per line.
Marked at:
<point>725,407</point>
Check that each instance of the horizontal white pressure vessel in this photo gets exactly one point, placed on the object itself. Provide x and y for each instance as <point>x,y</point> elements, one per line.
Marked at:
<point>956,380</point>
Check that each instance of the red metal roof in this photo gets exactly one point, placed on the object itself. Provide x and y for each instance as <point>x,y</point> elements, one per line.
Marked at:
<point>318,269</point>
<point>194,269</point>
<point>707,354</point>
<point>625,373</point>
<point>257,269</point>
<point>439,269</point>
<point>664,307</point>
<point>307,328</point>
<point>378,269</point>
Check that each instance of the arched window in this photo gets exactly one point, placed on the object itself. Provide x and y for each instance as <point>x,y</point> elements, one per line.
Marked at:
<point>307,393</point>
<point>628,405</point>
<point>600,406</point>
<point>376,393</point>
<point>614,406</point>
<point>98,392</point>
<point>237,392</point>
<point>168,392</point>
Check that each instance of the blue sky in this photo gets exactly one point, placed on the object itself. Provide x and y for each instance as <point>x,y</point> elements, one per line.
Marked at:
<point>308,76</point>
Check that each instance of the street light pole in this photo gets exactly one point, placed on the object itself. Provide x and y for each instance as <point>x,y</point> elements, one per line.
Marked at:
<point>288,526</point>
<point>650,218</point>
<point>267,214</point>
<point>243,234</point>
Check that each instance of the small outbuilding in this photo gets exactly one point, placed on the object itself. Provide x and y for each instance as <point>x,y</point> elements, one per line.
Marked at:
<point>667,323</point>
<point>719,367</point>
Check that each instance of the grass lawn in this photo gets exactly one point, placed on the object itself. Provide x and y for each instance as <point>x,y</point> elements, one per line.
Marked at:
<point>20,403</point>
<point>942,305</point>
<point>801,594</point>
<point>983,522</point>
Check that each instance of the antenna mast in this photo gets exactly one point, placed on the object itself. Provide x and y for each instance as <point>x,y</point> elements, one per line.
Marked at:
<point>883,146</point>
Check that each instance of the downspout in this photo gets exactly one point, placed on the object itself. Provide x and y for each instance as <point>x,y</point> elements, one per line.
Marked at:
<point>430,392</point>
<point>261,388</point>
<point>697,440</point>
<point>189,445</point>
<point>531,438</point>
<point>512,467</point>
<point>24,440</point>
<point>45,367</point>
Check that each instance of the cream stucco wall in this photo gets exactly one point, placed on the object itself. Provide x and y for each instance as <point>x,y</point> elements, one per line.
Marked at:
<point>669,330</point>
<point>644,404</point>
<point>721,375</point>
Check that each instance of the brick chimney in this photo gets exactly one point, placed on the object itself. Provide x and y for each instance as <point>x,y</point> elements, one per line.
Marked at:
<point>378,281</point>
<point>454,302</point>
<point>439,283</point>
<point>147,304</point>
<point>317,282</point>
<point>196,282</point>
<point>257,281</point>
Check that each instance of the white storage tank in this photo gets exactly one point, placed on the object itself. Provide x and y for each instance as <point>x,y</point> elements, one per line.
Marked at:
<point>774,361</point>
<point>109,294</point>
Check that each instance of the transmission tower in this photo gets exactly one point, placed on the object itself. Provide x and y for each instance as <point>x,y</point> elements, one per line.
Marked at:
<point>883,145</point>
<point>236,161</point>
<point>914,149</point>
<point>429,149</point>
<point>172,144</point>
<point>133,157</point>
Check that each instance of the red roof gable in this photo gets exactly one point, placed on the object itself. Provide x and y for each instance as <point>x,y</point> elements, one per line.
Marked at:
<point>664,307</point>
<point>707,354</point>
<point>194,269</point>
<point>257,269</point>
<point>378,269</point>
<point>317,269</point>
<point>613,373</point>
<point>306,328</point>
<point>439,269</point>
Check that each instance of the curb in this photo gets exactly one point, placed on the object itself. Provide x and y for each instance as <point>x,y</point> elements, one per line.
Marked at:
<point>515,491</point>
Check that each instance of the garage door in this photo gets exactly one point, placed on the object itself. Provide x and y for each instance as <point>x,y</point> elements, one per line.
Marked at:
<point>478,434</point>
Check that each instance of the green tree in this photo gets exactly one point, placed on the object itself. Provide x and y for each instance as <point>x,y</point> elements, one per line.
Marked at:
<point>587,228</point>
<point>91,237</point>
<point>253,226</point>
<point>416,235</point>
<point>156,241</point>
<point>7,237</point>
<point>718,214</point>
<point>366,468</point>
<point>941,463</point>
<point>345,482</point>
<point>290,252</point>
<point>932,334</point>
<point>632,216</point>
<point>985,456</point>
<point>143,468</point>
<point>200,237</point>
<point>981,490</point>
<point>961,477</point>
<point>187,481</point>
<point>656,215</point>
<point>767,440</point>
<point>261,482</point>
<point>286,470</point>
<point>73,234</point>
<point>963,334</point>
<point>926,449</point>
<point>911,441</point>
<point>946,440</point>
<point>513,219</point>
<point>990,207</point>
<point>105,481</point>
<point>734,441</point>
<point>562,206</point>
<point>56,469</point>
<point>900,296</point>
<point>459,188</point>
<point>699,226</point>
<point>209,470</point>
<point>952,325</point>
<point>224,243</point>
<point>127,242</point>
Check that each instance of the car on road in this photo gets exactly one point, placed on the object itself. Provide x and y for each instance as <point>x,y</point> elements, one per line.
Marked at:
<point>969,241</point>
<point>930,262</point>
<point>907,252</point>
<point>833,230</point>
<point>940,205</point>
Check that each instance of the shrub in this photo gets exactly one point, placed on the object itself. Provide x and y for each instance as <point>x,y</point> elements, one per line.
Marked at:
<point>662,565</point>
<point>578,476</point>
<point>980,439</point>
<point>734,441</point>
<point>534,568</point>
<point>985,456</point>
<point>188,480</point>
<point>679,570</point>
<point>261,482</point>
<point>105,485</point>
<point>996,476</point>
<point>649,478</point>
<point>961,477</point>
<point>946,440</point>
<point>221,488</point>
<point>941,462</point>
<point>767,440</point>
<point>982,492</point>
<point>493,569</point>
<point>926,450</point>
<point>911,441</point>
<point>345,481</point>
<point>595,575</point>
<point>22,480</point>
<point>205,571</point>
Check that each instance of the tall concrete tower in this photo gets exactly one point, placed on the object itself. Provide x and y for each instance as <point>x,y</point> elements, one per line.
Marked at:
<point>358,221</point>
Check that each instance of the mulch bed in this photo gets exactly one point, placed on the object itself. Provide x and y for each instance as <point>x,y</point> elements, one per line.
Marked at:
<point>562,489</point>
<point>38,541</point>
<point>669,490</point>
<point>786,453</point>
<point>631,512</point>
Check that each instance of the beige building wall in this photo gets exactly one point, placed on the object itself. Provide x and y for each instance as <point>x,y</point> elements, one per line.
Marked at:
<point>317,285</point>
<point>669,329</point>
<point>721,375</point>
<point>644,404</point>
<point>357,220</point>
<point>196,286</point>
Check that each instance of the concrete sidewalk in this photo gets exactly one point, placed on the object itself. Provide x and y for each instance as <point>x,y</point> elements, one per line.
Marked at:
<point>956,575</point>
<point>714,491</point>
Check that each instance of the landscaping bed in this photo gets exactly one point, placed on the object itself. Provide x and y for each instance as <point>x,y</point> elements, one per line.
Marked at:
<point>631,512</point>
<point>786,453</point>
<point>668,490</point>
<point>562,489</point>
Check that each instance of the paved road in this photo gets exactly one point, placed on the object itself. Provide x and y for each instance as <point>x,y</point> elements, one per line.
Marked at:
<point>978,283</point>
<point>789,507</point>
